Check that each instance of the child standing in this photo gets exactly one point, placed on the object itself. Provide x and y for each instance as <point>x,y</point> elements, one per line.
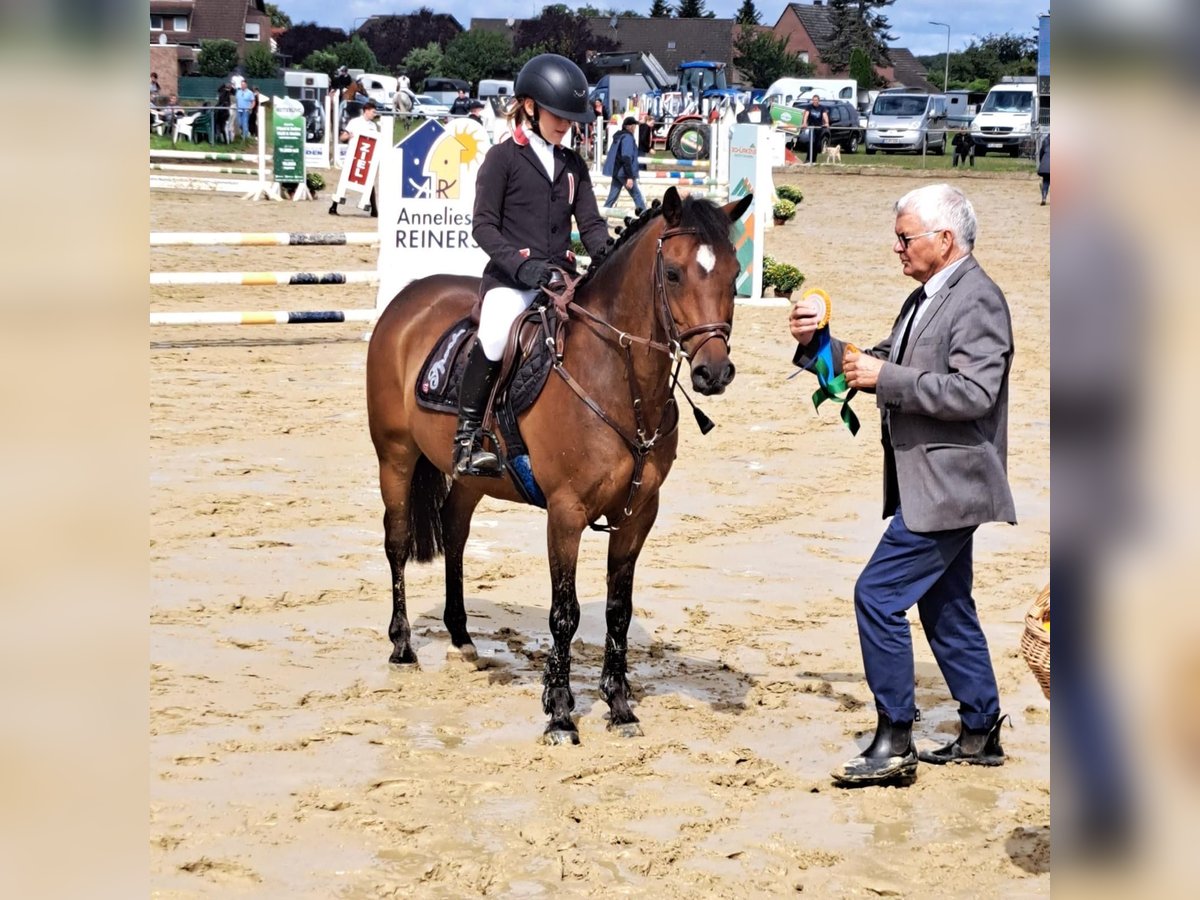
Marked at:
<point>527,191</point>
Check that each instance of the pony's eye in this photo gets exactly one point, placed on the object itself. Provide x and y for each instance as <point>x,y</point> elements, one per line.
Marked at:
<point>673,275</point>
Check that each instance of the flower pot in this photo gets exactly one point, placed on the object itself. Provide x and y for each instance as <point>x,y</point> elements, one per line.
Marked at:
<point>779,220</point>
<point>786,295</point>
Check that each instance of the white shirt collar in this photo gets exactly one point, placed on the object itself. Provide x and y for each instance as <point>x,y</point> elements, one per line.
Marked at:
<point>938,279</point>
<point>544,151</point>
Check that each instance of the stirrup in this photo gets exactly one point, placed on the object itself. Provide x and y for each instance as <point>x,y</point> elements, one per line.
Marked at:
<point>471,459</point>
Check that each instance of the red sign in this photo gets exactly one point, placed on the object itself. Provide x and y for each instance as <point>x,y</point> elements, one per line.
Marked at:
<point>360,162</point>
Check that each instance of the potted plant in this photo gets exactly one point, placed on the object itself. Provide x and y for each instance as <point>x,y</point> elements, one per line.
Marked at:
<point>789,192</point>
<point>314,181</point>
<point>785,278</point>
<point>783,210</point>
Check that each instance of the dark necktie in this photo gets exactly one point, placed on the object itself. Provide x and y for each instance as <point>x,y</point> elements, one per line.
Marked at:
<point>909,327</point>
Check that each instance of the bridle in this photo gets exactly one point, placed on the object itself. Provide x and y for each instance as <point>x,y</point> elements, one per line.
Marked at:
<point>639,444</point>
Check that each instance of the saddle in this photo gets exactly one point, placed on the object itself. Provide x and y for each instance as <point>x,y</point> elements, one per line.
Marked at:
<point>534,346</point>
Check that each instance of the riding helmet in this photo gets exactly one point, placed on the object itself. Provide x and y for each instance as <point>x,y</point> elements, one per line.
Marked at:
<point>557,84</point>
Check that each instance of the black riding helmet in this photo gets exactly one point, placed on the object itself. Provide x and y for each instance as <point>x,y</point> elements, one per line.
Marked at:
<point>557,84</point>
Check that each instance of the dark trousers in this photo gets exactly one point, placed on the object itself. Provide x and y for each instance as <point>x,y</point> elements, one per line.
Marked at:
<point>933,571</point>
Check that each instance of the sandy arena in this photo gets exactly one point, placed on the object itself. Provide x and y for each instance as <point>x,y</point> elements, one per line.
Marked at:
<point>289,759</point>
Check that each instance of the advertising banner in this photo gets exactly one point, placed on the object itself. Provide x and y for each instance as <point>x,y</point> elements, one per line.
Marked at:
<point>287,129</point>
<point>750,173</point>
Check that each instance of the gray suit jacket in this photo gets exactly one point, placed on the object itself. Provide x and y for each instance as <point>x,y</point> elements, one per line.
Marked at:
<point>944,407</point>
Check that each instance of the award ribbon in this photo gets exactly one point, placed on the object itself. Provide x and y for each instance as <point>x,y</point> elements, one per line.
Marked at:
<point>830,387</point>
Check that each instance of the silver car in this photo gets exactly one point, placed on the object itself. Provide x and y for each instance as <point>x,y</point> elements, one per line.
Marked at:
<point>910,123</point>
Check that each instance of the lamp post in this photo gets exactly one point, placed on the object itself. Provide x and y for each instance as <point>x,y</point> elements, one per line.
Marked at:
<point>946,77</point>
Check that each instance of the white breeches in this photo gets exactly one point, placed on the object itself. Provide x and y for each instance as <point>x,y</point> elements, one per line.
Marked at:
<point>501,306</point>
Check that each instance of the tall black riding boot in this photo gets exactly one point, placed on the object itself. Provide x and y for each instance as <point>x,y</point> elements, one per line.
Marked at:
<point>891,757</point>
<point>975,748</point>
<point>469,456</point>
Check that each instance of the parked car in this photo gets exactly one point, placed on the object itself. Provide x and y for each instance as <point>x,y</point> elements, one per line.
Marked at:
<point>907,122</point>
<point>845,127</point>
<point>422,105</point>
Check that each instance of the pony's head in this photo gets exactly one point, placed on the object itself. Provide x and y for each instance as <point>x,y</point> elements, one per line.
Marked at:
<point>694,283</point>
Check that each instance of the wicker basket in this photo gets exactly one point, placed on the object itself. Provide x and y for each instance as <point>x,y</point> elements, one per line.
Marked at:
<point>1035,642</point>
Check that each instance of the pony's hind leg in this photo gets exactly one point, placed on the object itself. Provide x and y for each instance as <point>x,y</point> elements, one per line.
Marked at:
<point>624,545</point>
<point>563,534</point>
<point>456,526</point>
<point>412,499</point>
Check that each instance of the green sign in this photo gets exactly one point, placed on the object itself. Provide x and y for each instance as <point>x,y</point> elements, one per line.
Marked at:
<point>788,116</point>
<point>287,128</point>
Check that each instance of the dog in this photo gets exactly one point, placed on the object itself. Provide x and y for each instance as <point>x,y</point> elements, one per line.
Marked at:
<point>833,154</point>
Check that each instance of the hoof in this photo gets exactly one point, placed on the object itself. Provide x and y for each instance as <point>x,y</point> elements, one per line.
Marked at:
<point>466,653</point>
<point>559,736</point>
<point>627,730</point>
<point>407,658</point>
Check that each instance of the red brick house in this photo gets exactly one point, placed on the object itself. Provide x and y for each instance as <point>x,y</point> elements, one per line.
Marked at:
<point>178,26</point>
<point>808,28</point>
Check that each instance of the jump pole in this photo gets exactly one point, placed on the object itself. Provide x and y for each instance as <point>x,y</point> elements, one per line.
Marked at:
<point>278,279</point>
<point>264,318</point>
<point>261,239</point>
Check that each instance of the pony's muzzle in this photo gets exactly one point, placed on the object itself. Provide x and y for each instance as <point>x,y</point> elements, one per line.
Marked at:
<point>712,377</point>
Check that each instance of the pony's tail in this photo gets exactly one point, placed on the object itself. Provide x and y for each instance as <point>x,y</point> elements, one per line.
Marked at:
<point>426,541</point>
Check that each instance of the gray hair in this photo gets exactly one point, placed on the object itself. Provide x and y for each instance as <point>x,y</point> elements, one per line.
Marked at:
<point>942,206</point>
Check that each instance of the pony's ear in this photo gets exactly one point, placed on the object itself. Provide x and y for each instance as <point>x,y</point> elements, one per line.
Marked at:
<point>672,207</point>
<point>738,209</point>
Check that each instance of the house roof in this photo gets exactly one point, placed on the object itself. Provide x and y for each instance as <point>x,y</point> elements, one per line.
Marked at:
<point>214,19</point>
<point>908,70</point>
<point>817,21</point>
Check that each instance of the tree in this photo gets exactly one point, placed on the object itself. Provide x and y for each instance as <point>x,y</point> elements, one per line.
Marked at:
<point>217,57</point>
<point>279,19</point>
<point>478,54</point>
<point>860,68</point>
<point>693,9</point>
<point>301,40</point>
<point>984,62</point>
<point>422,62</point>
<point>259,62</point>
<point>857,23</point>
<point>392,38</point>
<point>763,58</point>
<point>748,13</point>
<point>355,54</point>
<point>560,30</point>
<point>659,9</point>
<point>320,61</point>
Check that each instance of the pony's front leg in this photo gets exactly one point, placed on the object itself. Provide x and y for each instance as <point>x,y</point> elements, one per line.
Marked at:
<point>624,545</point>
<point>563,534</point>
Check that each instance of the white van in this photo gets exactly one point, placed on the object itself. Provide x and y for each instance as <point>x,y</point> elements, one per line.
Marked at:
<point>495,87</point>
<point>787,91</point>
<point>910,122</point>
<point>380,88</point>
<point>1006,121</point>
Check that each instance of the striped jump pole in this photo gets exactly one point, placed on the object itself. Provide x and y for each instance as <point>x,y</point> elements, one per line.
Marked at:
<point>261,239</point>
<point>278,279</point>
<point>682,163</point>
<point>676,177</point>
<point>264,318</point>
<point>200,154</point>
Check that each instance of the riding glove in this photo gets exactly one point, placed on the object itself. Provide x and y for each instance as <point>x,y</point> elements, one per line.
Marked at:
<point>534,273</point>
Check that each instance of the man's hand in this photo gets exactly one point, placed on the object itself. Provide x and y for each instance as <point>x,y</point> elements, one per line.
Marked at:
<point>533,273</point>
<point>629,183</point>
<point>861,370</point>
<point>804,318</point>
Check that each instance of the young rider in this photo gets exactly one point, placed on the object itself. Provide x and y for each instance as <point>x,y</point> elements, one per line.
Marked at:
<point>527,190</point>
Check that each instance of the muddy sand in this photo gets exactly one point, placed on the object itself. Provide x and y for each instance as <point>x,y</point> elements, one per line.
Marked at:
<point>289,759</point>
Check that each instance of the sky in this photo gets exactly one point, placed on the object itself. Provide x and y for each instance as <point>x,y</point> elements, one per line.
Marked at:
<point>910,19</point>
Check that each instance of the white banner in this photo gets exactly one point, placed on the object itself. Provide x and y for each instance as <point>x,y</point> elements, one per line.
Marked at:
<point>426,198</point>
<point>750,173</point>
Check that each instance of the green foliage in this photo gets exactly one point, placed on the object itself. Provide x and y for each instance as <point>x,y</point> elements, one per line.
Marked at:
<point>578,248</point>
<point>259,62</point>
<point>789,192</point>
<point>861,69</point>
<point>660,9</point>
<point>783,209</point>
<point>785,277</point>
<point>279,19</point>
<point>478,54</point>
<point>217,58</point>
<point>527,54</point>
<point>422,62</point>
<point>763,58</point>
<point>984,62</point>
<point>320,61</point>
<point>355,54</point>
<point>858,24</point>
<point>748,14</point>
<point>314,180</point>
<point>693,9</point>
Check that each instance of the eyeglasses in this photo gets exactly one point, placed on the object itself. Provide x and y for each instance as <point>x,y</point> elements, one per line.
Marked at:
<point>906,239</point>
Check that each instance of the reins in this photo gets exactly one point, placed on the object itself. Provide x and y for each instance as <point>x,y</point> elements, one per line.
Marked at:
<point>640,446</point>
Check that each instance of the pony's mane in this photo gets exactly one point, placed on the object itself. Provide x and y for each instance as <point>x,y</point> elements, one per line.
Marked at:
<point>709,220</point>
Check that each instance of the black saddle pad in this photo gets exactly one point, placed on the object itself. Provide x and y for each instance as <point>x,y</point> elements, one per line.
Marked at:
<point>437,386</point>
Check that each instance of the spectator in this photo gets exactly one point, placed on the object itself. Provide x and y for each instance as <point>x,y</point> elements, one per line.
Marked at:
<point>622,165</point>
<point>155,90</point>
<point>223,114</point>
<point>816,119</point>
<point>940,380</point>
<point>461,105</point>
<point>964,149</point>
<point>244,100</point>
<point>475,110</point>
<point>1044,167</point>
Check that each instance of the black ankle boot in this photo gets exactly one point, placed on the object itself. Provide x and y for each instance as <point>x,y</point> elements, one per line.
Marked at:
<point>975,748</point>
<point>469,456</point>
<point>890,758</point>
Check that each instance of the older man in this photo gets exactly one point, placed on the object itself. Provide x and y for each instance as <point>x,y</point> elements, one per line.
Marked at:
<point>940,380</point>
